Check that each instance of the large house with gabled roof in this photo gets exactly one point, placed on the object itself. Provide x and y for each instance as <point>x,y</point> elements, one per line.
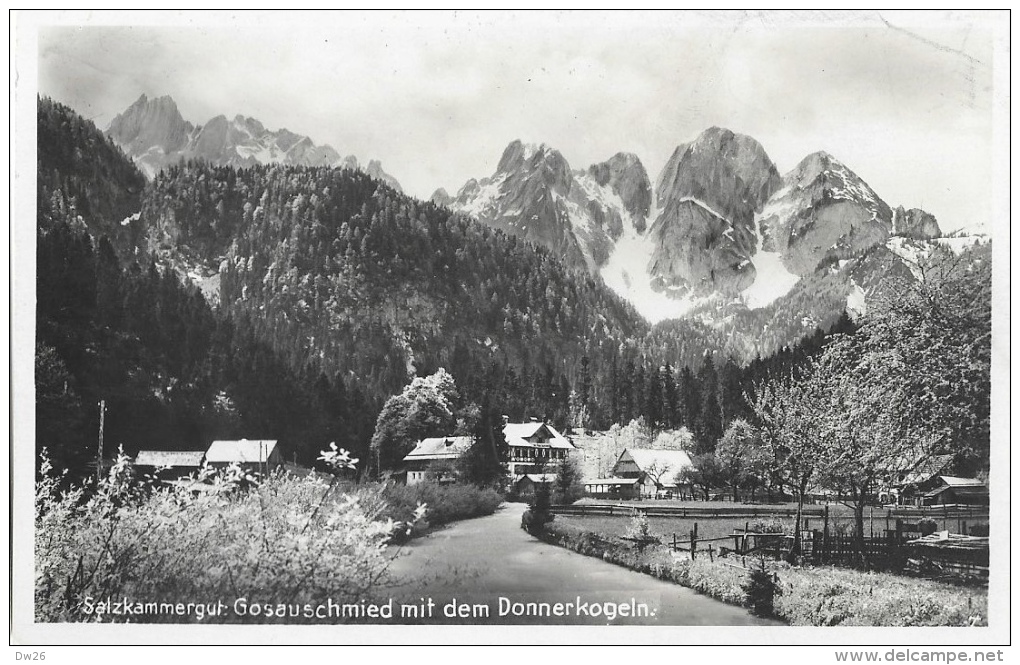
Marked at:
<point>534,447</point>
<point>436,456</point>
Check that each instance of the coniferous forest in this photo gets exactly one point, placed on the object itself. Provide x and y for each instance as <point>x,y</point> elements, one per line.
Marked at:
<point>334,291</point>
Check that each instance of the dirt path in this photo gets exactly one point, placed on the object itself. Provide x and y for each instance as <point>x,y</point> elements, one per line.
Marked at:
<point>491,569</point>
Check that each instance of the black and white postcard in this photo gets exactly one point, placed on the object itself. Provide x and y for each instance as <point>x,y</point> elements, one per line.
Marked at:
<point>506,327</point>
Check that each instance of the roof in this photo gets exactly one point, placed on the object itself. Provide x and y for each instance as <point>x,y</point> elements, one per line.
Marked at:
<point>169,458</point>
<point>437,448</point>
<point>518,434</point>
<point>644,458</point>
<point>250,451</point>
<point>539,477</point>
<point>961,482</point>
<point>960,490</point>
<point>926,469</point>
<point>612,481</point>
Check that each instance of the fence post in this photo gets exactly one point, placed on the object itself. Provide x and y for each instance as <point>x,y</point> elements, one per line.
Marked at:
<point>825,532</point>
<point>694,540</point>
<point>711,554</point>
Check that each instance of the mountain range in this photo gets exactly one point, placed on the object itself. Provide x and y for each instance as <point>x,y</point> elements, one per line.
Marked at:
<point>721,237</point>
<point>153,133</point>
<point>325,290</point>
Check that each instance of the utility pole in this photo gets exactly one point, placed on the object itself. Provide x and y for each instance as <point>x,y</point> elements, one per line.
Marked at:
<point>99,458</point>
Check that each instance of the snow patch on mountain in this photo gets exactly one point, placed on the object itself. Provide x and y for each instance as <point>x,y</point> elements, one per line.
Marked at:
<point>960,243</point>
<point>626,273</point>
<point>698,202</point>
<point>771,281</point>
<point>484,198</point>
<point>856,302</point>
<point>913,252</point>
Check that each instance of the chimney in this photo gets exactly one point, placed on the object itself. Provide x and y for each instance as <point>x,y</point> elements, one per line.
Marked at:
<point>506,420</point>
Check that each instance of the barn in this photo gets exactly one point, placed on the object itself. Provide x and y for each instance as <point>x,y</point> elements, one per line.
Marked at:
<point>655,470</point>
<point>952,490</point>
<point>252,455</point>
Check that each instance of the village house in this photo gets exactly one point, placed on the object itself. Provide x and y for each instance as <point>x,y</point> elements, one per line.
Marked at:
<point>525,486</point>
<point>948,490</point>
<point>169,464</point>
<point>436,457</point>
<point>905,490</point>
<point>654,471</point>
<point>535,447</point>
<point>254,455</point>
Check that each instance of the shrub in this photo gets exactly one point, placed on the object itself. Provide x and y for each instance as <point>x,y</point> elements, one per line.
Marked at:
<point>539,514</point>
<point>761,589</point>
<point>639,528</point>
<point>803,596</point>
<point>284,540</point>
<point>927,526</point>
<point>826,596</point>
<point>446,503</point>
<point>770,525</point>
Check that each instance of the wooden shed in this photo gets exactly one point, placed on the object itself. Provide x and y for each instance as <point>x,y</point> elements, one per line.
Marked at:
<point>613,488</point>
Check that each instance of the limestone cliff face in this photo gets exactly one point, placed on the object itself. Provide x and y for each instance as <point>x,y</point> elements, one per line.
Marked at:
<point>823,212</point>
<point>625,176</point>
<point>915,223</point>
<point>441,197</point>
<point>708,194</point>
<point>579,215</point>
<point>151,131</point>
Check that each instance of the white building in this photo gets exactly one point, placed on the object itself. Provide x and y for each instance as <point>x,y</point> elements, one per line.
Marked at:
<point>656,470</point>
<point>534,445</point>
<point>437,455</point>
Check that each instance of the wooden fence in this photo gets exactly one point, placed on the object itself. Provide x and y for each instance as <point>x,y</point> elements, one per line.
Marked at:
<point>893,551</point>
<point>706,512</point>
<point>877,520</point>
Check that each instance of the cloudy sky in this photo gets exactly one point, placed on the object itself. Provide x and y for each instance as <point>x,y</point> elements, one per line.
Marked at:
<point>905,100</point>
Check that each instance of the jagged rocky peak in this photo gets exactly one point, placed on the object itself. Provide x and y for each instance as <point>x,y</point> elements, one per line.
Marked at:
<point>824,211</point>
<point>730,172</point>
<point>150,123</point>
<point>534,194</point>
<point>441,197</point>
<point>528,159</point>
<point>375,170</point>
<point>625,176</point>
<point>708,194</point>
<point>915,223</point>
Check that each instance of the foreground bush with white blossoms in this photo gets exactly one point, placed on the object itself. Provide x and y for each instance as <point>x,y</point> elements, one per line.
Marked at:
<point>283,540</point>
